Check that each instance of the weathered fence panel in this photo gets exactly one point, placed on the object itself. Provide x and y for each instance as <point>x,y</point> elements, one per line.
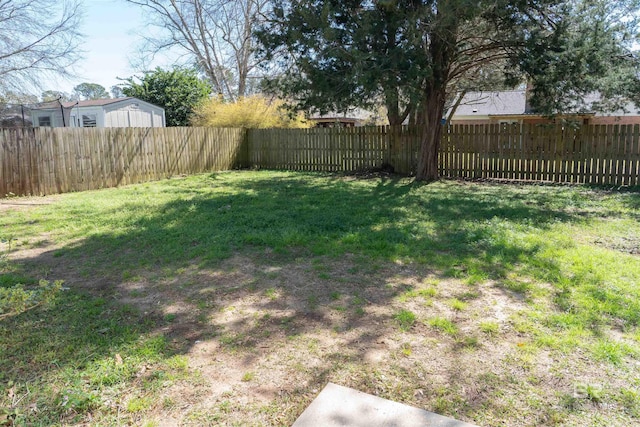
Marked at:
<point>59,160</point>
<point>586,154</point>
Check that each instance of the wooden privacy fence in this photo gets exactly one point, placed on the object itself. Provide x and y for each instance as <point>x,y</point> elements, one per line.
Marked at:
<point>593,154</point>
<point>45,160</point>
<point>59,160</point>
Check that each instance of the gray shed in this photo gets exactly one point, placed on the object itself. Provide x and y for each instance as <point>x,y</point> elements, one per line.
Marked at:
<point>101,113</point>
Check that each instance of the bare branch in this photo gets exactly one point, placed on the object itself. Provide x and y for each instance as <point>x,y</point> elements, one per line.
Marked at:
<point>38,40</point>
<point>215,34</point>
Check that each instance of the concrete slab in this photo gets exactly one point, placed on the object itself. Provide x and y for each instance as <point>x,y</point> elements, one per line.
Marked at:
<point>342,406</point>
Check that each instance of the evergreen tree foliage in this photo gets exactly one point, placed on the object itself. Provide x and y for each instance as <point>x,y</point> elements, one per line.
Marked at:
<point>85,91</point>
<point>410,54</point>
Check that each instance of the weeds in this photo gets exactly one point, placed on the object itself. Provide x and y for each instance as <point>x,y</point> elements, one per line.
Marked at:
<point>405,319</point>
<point>444,325</point>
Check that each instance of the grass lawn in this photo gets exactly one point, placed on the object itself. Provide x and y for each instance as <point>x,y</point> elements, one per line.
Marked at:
<point>233,298</point>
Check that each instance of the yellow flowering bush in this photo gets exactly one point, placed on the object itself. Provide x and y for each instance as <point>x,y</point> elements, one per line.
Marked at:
<point>255,112</point>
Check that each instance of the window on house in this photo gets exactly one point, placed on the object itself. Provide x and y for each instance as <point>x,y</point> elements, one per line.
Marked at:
<point>89,120</point>
<point>44,121</point>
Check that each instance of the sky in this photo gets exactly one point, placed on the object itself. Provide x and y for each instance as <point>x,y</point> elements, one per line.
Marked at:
<point>109,44</point>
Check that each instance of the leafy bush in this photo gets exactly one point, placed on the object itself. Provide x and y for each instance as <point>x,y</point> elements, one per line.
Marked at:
<point>254,112</point>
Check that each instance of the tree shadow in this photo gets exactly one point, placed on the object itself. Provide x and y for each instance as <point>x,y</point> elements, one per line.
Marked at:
<point>166,272</point>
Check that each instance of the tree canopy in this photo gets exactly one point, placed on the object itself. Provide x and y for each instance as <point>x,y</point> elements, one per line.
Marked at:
<point>116,92</point>
<point>411,54</point>
<point>178,91</point>
<point>86,91</point>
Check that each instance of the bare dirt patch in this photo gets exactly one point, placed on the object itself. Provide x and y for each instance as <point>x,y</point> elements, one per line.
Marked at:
<point>262,334</point>
<point>25,203</point>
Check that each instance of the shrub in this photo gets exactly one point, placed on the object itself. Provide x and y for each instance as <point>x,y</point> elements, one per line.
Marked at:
<point>255,112</point>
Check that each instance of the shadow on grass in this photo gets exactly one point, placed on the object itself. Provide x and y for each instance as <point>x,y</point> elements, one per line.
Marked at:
<point>456,229</point>
<point>57,361</point>
<point>451,225</point>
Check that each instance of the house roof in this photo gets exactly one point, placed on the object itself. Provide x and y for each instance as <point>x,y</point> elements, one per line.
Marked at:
<point>514,103</point>
<point>492,103</point>
<point>353,114</point>
<point>85,103</point>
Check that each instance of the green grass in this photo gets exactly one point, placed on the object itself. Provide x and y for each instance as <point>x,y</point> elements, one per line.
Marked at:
<point>75,356</point>
<point>443,325</point>
<point>568,254</point>
<point>405,319</point>
<point>248,376</point>
<point>457,305</point>
<point>489,327</point>
<point>411,294</point>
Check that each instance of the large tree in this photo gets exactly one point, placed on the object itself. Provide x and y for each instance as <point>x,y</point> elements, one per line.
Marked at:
<point>178,91</point>
<point>90,91</point>
<point>38,40</point>
<point>411,54</point>
<point>215,35</point>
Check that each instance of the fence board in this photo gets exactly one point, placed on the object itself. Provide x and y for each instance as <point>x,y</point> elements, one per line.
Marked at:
<point>45,161</point>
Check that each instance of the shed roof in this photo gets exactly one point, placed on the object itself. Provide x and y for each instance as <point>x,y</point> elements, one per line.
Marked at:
<point>86,103</point>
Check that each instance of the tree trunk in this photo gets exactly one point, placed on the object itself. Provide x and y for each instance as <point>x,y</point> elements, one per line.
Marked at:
<point>430,135</point>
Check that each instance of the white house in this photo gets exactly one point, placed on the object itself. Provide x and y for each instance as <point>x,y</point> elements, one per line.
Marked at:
<point>101,113</point>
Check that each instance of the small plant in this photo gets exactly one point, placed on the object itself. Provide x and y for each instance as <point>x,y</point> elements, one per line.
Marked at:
<point>444,325</point>
<point>457,305</point>
<point>405,319</point>
<point>312,302</point>
<point>609,351</point>
<point>425,293</point>
<point>405,349</point>
<point>631,401</point>
<point>17,299</point>
<point>180,363</point>
<point>248,376</point>
<point>469,342</point>
<point>516,286</point>
<point>358,301</point>
<point>490,327</point>
<point>271,293</point>
<point>139,404</point>
<point>594,393</point>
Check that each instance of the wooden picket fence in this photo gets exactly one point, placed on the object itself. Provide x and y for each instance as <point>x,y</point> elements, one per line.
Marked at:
<point>591,154</point>
<point>60,160</point>
<point>46,161</point>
